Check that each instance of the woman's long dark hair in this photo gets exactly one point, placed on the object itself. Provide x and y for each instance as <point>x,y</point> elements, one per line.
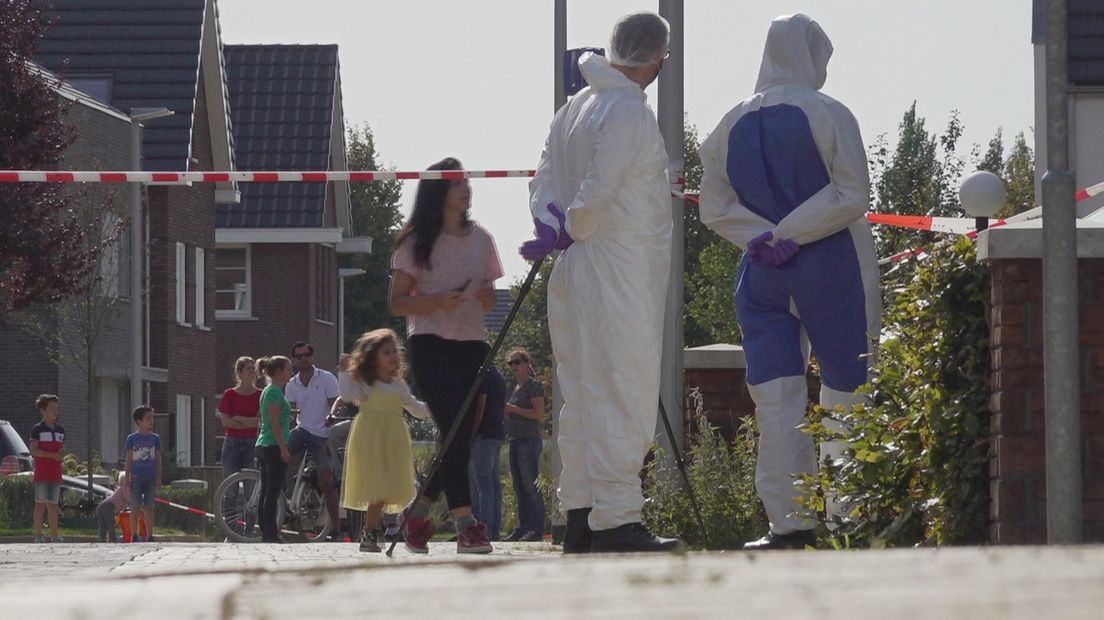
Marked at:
<point>425,221</point>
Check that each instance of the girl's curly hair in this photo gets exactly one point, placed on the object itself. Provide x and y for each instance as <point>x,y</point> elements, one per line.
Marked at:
<point>365,351</point>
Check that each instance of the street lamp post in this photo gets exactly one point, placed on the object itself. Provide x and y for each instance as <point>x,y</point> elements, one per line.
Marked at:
<point>137,117</point>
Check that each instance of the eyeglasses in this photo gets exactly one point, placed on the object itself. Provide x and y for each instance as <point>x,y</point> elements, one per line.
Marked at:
<point>516,362</point>
<point>300,356</point>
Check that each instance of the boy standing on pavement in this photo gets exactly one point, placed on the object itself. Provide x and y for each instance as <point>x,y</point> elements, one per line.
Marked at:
<point>313,392</point>
<point>47,440</point>
<point>143,469</point>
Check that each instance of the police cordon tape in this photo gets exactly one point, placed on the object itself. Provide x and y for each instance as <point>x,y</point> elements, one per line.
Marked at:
<point>202,513</point>
<point>960,226</point>
<point>195,511</point>
<point>308,176</point>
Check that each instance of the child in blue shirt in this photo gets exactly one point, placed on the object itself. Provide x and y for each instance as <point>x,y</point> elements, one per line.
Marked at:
<point>143,469</point>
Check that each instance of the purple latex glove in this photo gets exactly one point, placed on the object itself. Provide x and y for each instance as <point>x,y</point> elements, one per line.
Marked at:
<point>758,250</point>
<point>761,253</point>
<point>542,245</point>
<point>783,250</point>
<point>564,240</point>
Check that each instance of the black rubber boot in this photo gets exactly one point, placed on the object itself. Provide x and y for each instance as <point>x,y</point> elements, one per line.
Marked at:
<point>628,538</point>
<point>577,533</point>
<point>794,540</point>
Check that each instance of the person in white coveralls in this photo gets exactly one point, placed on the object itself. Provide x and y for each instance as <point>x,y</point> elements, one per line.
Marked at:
<point>601,195</point>
<point>786,180</point>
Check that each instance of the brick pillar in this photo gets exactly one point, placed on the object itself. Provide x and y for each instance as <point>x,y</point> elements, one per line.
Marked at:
<point>719,373</point>
<point>1018,458</point>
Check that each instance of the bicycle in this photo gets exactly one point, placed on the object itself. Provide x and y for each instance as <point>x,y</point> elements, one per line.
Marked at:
<point>301,511</point>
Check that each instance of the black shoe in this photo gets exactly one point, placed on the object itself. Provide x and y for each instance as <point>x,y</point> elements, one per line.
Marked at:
<point>514,536</point>
<point>794,540</point>
<point>577,533</point>
<point>631,537</point>
<point>336,537</point>
<point>531,536</point>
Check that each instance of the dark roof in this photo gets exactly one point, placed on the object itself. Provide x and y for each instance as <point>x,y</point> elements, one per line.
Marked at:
<point>496,318</point>
<point>151,51</point>
<point>282,105</point>
<point>1086,39</point>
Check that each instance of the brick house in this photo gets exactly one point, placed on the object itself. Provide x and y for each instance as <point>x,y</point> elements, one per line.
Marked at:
<point>1017,470</point>
<point>107,50</point>
<point>102,138</point>
<point>277,275</point>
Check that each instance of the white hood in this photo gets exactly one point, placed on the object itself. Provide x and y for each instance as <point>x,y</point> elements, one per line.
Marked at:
<point>600,75</point>
<point>796,53</point>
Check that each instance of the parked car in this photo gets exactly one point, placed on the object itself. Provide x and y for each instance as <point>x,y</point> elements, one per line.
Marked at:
<point>15,456</point>
<point>74,500</point>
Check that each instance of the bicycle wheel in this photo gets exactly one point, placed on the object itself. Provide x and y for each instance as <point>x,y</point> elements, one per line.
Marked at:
<point>313,518</point>
<point>237,506</point>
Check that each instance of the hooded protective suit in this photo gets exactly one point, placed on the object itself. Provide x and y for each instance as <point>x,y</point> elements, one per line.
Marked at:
<point>790,160</point>
<point>606,161</point>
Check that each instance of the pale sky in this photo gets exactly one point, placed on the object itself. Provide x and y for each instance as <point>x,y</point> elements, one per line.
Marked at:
<point>474,80</point>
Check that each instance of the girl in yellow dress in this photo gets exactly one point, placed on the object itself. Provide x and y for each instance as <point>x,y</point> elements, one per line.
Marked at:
<point>379,462</point>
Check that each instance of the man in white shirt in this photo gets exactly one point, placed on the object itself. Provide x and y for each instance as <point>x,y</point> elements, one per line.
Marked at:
<point>313,391</point>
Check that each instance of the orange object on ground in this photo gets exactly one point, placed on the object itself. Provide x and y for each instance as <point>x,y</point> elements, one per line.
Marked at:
<point>123,521</point>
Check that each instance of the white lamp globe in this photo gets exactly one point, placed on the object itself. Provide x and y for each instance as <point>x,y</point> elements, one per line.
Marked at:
<point>982,194</point>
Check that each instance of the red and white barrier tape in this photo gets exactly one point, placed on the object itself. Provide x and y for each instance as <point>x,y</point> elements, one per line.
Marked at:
<point>1089,192</point>
<point>953,225</point>
<point>38,176</point>
<point>195,511</point>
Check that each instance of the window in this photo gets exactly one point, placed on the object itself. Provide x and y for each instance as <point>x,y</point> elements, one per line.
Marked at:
<point>183,447</point>
<point>181,288</point>
<point>232,282</point>
<point>200,294</point>
<point>111,243</point>
<point>98,86</point>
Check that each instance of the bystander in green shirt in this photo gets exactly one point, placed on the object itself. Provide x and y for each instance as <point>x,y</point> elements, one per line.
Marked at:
<point>273,395</point>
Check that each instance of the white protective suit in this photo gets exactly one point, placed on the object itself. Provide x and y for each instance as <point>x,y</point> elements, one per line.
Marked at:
<point>605,160</point>
<point>790,160</point>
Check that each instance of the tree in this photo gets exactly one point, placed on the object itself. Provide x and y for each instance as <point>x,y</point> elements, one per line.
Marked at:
<point>42,256</point>
<point>920,177</point>
<point>376,214</point>
<point>72,330</point>
<point>1019,177</point>
<point>710,264</point>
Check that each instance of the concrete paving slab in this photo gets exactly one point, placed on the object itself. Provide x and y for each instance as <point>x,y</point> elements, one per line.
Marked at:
<point>531,581</point>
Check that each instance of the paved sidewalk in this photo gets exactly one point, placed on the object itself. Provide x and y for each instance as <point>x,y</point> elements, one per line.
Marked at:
<point>90,581</point>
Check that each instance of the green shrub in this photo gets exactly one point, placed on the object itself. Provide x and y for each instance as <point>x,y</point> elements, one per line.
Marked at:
<point>167,517</point>
<point>16,502</point>
<point>917,471</point>
<point>723,479</point>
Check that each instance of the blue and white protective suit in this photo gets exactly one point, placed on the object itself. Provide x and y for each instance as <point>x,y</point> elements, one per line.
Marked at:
<point>790,160</point>
<point>605,161</point>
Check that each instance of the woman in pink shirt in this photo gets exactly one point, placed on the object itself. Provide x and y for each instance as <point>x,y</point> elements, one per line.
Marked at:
<point>444,267</point>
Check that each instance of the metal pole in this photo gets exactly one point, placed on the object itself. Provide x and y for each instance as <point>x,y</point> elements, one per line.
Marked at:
<point>671,126</point>
<point>136,259</point>
<point>1060,320</point>
<point>559,45</point>
<point>559,48</point>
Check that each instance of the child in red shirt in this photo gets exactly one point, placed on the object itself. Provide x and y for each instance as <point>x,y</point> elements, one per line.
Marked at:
<point>47,441</point>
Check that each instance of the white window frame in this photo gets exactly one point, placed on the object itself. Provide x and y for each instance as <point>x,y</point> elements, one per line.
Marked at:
<point>200,294</point>
<point>202,431</point>
<point>183,445</point>
<point>246,310</point>
<point>181,284</point>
